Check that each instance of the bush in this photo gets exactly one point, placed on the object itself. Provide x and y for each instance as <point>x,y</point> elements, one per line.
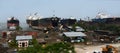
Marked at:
<point>50,48</point>
<point>13,44</point>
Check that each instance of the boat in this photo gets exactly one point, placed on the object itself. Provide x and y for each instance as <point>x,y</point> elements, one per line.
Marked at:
<point>54,22</point>
<point>105,18</point>
<point>68,21</point>
<point>38,22</point>
<point>12,23</point>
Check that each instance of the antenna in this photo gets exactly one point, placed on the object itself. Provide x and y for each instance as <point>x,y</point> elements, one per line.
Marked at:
<point>88,18</point>
<point>36,13</point>
<point>53,13</point>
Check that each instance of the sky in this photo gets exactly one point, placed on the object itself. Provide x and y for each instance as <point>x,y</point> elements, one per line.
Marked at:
<point>62,8</point>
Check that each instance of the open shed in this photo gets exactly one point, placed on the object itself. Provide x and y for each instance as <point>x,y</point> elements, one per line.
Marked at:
<point>74,36</point>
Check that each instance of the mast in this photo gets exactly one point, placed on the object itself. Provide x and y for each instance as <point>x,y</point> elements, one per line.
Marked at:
<point>53,13</point>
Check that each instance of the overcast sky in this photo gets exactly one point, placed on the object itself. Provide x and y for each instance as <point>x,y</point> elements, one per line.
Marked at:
<point>63,8</point>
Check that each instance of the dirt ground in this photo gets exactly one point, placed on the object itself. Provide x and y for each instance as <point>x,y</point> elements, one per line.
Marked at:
<point>91,49</point>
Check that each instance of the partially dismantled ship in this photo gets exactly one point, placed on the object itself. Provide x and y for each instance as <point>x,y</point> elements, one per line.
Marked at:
<point>12,23</point>
<point>104,18</point>
<point>38,22</point>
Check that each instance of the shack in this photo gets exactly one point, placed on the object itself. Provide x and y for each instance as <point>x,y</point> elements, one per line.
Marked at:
<point>23,41</point>
<point>74,36</point>
<point>79,29</point>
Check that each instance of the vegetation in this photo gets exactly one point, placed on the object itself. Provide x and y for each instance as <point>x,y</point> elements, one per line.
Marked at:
<point>60,47</point>
<point>13,44</point>
<point>3,49</point>
<point>18,28</point>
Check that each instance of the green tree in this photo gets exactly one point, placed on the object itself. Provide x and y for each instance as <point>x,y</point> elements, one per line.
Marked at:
<point>18,28</point>
<point>61,47</point>
<point>13,44</point>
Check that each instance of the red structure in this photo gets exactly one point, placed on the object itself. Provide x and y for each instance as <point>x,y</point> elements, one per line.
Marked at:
<point>34,34</point>
<point>4,34</point>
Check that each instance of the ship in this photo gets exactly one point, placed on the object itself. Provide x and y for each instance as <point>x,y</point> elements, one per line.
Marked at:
<point>39,22</point>
<point>12,23</point>
<point>105,18</point>
<point>68,21</point>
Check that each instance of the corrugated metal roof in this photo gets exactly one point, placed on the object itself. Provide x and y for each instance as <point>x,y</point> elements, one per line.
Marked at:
<point>118,38</point>
<point>74,34</point>
<point>24,37</point>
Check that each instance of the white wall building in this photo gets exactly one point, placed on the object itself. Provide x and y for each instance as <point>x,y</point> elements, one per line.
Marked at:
<point>79,29</point>
<point>23,41</point>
